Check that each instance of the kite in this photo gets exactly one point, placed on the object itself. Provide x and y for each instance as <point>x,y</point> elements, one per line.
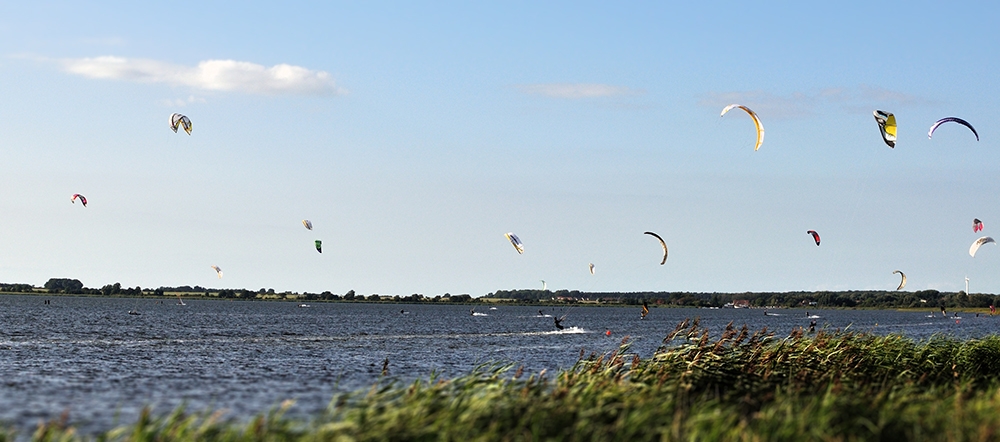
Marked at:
<point>217,270</point>
<point>952,120</point>
<point>977,225</point>
<point>178,121</point>
<point>756,122</point>
<point>83,199</point>
<point>979,243</point>
<point>319,246</point>
<point>902,283</point>
<point>662,243</point>
<point>591,268</point>
<point>887,124</point>
<point>814,235</point>
<point>515,241</point>
<point>308,224</point>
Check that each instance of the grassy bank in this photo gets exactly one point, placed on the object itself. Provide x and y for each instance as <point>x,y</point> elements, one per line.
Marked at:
<point>742,386</point>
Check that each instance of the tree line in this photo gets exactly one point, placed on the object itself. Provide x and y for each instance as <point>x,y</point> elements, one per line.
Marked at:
<point>828,299</point>
<point>76,287</point>
<point>831,299</point>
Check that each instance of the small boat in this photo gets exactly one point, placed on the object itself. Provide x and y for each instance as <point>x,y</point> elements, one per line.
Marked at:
<point>304,306</point>
<point>134,312</point>
<point>179,300</point>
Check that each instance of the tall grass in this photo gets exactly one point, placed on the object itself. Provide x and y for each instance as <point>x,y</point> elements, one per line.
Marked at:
<point>742,385</point>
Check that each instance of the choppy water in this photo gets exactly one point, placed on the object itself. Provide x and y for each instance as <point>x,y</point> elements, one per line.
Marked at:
<point>89,357</point>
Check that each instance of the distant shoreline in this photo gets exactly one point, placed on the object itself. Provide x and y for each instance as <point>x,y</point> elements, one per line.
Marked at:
<point>496,302</point>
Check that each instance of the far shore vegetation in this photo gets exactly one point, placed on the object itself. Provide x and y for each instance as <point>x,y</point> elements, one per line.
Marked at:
<point>720,385</point>
<point>866,299</point>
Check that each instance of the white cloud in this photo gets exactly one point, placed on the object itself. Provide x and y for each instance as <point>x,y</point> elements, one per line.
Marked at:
<point>213,75</point>
<point>576,90</point>
<point>803,104</point>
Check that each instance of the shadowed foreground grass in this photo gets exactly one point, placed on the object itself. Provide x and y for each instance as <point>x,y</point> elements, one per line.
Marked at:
<point>741,386</point>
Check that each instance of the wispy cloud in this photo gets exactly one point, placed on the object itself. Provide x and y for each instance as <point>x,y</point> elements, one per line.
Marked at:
<point>102,41</point>
<point>805,104</point>
<point>882,95</point>
<point>764,103</point>
<point>181,102</point>
<point>576,90</point>
<point>212,75</point>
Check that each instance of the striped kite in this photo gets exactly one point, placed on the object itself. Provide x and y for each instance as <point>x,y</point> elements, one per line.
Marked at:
<point>515,241</point>
<point>887,124</point>
<point>178,121</point>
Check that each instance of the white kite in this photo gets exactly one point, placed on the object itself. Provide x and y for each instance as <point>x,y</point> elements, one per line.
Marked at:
<point>979,243</point>
<point>756,122</point>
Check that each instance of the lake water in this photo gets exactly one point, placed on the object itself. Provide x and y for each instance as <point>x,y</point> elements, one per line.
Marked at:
<point>90,358</point>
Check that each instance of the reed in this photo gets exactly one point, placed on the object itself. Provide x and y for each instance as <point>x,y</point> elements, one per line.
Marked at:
<point>740,385</point>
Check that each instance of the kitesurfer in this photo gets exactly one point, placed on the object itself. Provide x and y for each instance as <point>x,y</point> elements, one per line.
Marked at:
<point>558,322</point>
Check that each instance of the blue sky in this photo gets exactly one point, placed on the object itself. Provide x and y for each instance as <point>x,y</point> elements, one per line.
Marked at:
<point>414,135</point>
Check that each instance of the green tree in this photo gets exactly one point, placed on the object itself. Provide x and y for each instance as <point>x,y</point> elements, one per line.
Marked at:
<point>64,285</point>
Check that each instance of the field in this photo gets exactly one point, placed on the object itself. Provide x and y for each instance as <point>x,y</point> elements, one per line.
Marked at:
<point>732,384</point>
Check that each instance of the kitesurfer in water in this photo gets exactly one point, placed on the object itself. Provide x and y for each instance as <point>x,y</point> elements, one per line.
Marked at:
<point>559,322</point>
<point>812,326</point>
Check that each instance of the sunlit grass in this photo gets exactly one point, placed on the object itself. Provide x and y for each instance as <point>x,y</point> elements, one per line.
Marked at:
<point>741,385</point>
